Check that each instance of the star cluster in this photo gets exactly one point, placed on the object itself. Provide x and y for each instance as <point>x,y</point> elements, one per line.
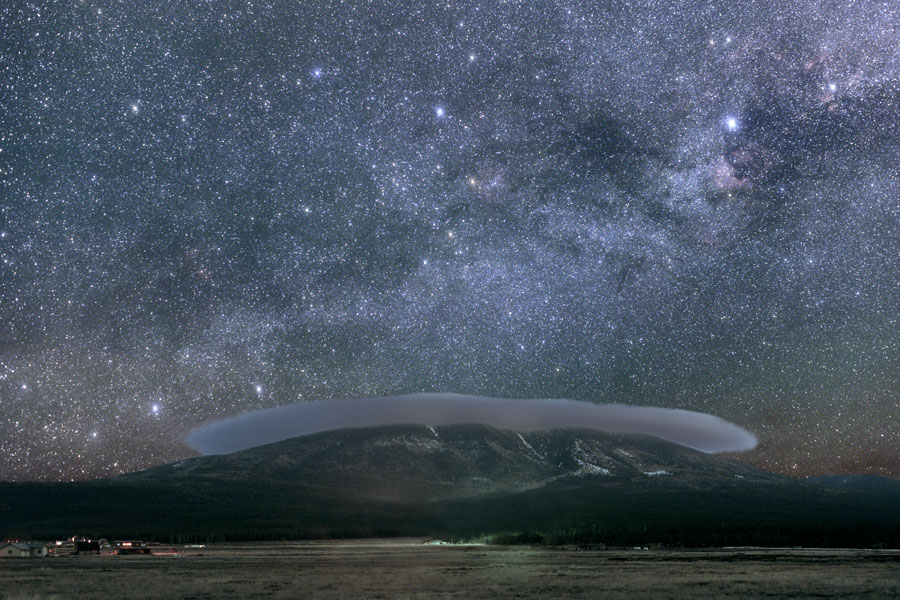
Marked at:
<point>213,207</point>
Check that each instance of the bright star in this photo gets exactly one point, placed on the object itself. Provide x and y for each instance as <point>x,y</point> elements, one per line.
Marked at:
<point>258,389</point>
<point>731,123</point>
<point>440,112</point>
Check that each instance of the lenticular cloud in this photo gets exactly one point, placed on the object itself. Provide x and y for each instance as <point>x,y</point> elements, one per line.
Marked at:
<point>692,429</point>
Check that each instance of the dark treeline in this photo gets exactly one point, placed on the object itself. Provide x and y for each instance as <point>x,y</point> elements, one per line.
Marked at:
<point>624,535</point>
<point>220,511</point>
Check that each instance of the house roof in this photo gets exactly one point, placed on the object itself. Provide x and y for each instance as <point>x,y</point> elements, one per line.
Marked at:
<point>18,545</point>
<point>23,545</point>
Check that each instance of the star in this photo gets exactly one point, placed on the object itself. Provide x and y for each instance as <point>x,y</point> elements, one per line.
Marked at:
<point>665,205</point>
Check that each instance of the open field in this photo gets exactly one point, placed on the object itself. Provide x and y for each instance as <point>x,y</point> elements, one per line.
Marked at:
<point>408,569</point>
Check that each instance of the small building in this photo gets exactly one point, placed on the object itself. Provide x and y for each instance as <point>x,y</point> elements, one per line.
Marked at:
<point>131,547</point>
<point>87,547</point>
<point>23,549</point>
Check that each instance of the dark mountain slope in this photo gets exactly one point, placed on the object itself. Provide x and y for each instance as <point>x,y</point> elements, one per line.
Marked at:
<point>859,483</point>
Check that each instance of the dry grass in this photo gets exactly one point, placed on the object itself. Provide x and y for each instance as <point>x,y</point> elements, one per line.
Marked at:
<point>407,569</point>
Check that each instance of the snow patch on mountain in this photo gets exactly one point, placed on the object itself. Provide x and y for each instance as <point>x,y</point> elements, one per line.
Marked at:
<point>585,467</point>
<point>412,442</point>
<point>529,446</point>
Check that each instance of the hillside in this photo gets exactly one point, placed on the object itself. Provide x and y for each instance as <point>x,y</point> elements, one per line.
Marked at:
<point>859,483</point>
<point>460,481</point>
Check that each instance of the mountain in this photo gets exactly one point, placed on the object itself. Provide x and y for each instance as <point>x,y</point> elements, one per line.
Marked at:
<point>417,463</point>
<point>460,481</point>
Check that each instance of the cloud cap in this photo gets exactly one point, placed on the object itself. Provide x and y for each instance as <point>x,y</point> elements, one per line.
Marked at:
<point>700,431</point>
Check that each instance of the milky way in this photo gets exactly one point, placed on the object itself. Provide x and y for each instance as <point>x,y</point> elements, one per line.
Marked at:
<point>214,207</point>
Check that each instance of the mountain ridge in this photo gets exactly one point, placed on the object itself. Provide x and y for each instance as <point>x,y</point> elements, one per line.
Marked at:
<point>438,455</point>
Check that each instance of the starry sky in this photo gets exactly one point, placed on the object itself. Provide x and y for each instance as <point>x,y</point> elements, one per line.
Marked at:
<point>214,207</point>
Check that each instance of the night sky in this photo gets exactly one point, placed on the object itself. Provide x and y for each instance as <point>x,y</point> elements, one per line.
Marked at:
<point>214,207</point>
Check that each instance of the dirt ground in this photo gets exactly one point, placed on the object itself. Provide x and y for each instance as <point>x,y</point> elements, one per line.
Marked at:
<point>409,569</point>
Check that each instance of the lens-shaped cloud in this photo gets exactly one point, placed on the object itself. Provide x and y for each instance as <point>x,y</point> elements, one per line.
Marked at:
<point>692,429</point>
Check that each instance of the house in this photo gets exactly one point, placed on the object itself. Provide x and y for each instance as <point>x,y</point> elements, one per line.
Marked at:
<point>23,549</point>
<point>131,547</point>
<point>87,547</point>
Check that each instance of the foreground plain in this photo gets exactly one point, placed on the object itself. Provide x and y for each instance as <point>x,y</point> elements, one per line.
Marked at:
<point>408,569</point>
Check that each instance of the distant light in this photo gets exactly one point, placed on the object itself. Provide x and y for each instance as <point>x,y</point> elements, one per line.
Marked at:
<point>440,112</point>
<point>832,87</point>
<point>155,408</point>
<point>94,434</point>
<point>731,123</point>
<point>134,108</point>
<point>258,389</point>
<point>24,386</point>
<point>317,73</point>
